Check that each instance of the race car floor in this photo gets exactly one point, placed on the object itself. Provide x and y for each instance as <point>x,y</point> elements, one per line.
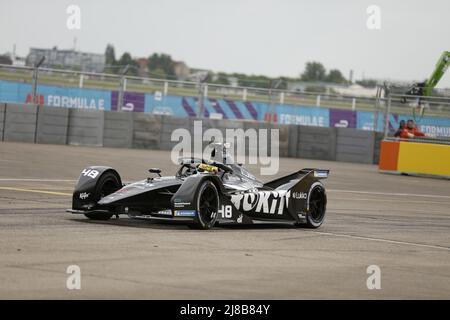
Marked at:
<point>400,224</point>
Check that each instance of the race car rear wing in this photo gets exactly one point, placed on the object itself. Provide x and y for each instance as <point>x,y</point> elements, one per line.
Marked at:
<point>317,173</point>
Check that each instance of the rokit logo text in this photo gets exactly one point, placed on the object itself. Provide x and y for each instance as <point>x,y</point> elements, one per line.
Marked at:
<point>272,202</point>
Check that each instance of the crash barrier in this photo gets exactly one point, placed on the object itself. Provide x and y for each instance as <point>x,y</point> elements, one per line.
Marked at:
<point>85,127</point>
<point>44,124</point>
<point>52,125</point>
<point>414,158</point>
<point>118,129</point>
<point>2,119</point>
<point>20,123</point>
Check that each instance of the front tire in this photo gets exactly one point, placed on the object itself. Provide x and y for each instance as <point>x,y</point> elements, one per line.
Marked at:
<point>207,206</point>
<point>107,184</point>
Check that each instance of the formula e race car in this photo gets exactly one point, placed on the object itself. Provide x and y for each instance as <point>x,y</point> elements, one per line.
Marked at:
<point>203,193</point>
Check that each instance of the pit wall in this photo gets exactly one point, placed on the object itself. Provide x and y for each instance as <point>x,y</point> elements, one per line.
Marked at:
<point>51,125</point>
<point>415,158</point>
<point>226,108</point>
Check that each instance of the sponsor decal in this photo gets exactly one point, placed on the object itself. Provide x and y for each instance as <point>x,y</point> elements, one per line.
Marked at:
<point>180,204</point>
<point>239,219</point>
<point>271,202</point>
<point>165,212</point>
<point>132,101</point>
<point>185,213</point>
<point>84,195</point>
<point>75,102</point>
<point>299,195</point>
<point>342,118</point>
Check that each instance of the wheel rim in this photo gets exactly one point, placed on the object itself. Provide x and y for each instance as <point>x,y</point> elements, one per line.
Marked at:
<point>208,204</point>
<point>317,204</point>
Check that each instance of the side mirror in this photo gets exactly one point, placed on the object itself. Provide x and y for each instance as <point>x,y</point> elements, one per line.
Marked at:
<point>155,170</point>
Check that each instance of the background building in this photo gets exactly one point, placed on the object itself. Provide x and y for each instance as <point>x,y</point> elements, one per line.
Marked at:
<point>67,59</point>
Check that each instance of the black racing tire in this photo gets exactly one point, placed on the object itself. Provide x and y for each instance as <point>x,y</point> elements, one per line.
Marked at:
<point>317,206</point>
<point>207,206</point>
<point>107,184</point>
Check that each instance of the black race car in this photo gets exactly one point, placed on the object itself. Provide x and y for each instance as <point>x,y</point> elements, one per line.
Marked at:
<point>204,193</point>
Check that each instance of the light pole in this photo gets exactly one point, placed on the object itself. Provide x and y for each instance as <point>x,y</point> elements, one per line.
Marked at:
<point>122,87</point>
<point>201,93</point>
<point>273,86</point>
<point>35,79</point>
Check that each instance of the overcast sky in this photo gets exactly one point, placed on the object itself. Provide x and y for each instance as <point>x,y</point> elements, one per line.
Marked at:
<point>251,36</point>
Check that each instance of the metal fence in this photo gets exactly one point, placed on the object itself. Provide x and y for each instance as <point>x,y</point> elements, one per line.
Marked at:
<point>72,78</point>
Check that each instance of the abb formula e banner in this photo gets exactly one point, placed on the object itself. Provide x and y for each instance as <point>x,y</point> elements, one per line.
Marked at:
<point>185,106</point>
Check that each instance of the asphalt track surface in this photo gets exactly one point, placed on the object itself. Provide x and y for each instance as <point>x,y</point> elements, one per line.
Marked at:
<point>399,223</point>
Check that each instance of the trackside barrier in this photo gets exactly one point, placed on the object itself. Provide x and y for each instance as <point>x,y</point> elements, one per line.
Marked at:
<point>118,129</point>
<point>415,158</point>
<point>355,145</point>
<point>377,147</point>
<point>146,131</point>
<point>316,143</point>
<point>20,123</point>
<point>2,120</point>
<point>54,125</point>
<point>85,127</point>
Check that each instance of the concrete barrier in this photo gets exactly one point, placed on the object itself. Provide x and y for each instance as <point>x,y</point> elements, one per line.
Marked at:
<point>293,141</point>
<point>85,127</point>
<point>284,140</point>
<point>407,157</point>
<point>140,130</point>
<point>253,147</point>
<point>316,143</point>
<point>169,125</point>
<point>355,145</point>
<point>377,147</point>
<point>146,131</point>
<point>52,125</point>
<point>20,123</point>
<point>2,120</point>
<point>118,129</point>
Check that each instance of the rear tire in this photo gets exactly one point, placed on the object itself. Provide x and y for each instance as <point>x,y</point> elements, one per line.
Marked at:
<point>317,206</point>
<point>207,206</point>
<point>107,184</point>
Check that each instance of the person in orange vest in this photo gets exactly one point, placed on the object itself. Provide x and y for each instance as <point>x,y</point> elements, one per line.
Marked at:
<point>410,131</point>
<point>401,126</point>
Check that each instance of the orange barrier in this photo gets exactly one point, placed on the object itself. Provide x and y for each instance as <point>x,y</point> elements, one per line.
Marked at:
<point>415,158</point>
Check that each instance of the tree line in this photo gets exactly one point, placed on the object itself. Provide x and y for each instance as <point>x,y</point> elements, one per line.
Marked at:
<point>162,66</point>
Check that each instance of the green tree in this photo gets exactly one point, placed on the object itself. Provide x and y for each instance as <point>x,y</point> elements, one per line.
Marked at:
<point>161,61</point>
<point>222,78</point>
<point>335,76</point>
<point>314,71</point>
<point>158,73</point>
<point>110,59</point>
<point>126,59</point>
<point>5,59</point>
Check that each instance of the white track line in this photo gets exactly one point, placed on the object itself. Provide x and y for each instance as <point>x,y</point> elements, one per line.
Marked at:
<point>383,240</point>
<point>392,200</point>
<point>390,194</point>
